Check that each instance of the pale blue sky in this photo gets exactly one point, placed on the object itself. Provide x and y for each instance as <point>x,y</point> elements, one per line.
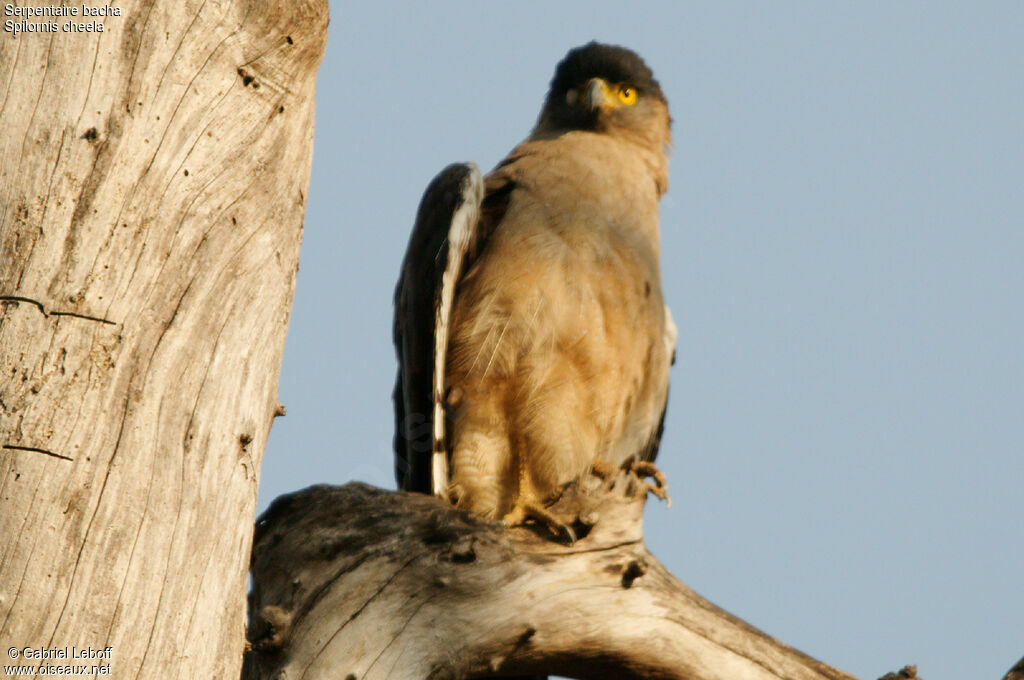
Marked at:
<point>843,251</point>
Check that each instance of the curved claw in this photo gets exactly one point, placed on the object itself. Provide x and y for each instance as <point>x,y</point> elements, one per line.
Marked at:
<point>526,510</point>
<point>645,468</point>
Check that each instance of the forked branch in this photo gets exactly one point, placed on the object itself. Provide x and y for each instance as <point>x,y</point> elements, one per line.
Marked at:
<point>356,582</point>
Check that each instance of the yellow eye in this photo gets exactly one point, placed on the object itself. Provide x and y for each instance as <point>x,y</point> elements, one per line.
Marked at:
<point>627,95</point>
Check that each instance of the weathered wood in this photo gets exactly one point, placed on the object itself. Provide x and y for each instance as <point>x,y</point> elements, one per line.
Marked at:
<point>355,582</point>
<point>152,182</point>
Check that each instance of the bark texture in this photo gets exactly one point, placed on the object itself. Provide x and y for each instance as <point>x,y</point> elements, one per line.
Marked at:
<point>152,191</point>
<point>355,582</point>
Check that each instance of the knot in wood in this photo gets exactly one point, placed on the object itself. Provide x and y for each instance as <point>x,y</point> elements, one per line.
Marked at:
<point>462,551</point>
<point>634,570</point>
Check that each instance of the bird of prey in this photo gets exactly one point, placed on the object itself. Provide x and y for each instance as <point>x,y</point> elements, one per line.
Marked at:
<point>533,341</point>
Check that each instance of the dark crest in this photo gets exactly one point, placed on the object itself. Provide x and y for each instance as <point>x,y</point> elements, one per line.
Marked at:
<point>612,63</point>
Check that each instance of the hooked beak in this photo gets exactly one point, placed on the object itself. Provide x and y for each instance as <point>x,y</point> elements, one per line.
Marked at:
<point>597,95</point>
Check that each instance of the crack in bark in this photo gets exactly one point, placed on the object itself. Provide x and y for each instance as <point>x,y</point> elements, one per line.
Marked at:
<point>86,317</point>
<point>393,640</point>
<point>15,447</point>
<point>95,511</point>
<point>361,608</point>
<point>28,561</point>
<point>42,309</point>
<point>181,477</point>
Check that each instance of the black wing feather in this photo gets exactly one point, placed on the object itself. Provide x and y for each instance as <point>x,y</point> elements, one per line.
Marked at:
<point>416,300</point>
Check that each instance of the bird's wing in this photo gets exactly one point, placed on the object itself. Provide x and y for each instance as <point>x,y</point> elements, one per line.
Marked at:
<point>650,452</point>
<point>446,229</point>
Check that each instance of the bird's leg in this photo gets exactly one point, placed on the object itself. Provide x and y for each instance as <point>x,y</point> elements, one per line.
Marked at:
<point>645,468</point>
<point>527,503</point>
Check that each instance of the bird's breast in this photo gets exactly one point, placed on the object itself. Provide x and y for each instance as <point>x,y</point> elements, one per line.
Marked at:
<point>565,298</point>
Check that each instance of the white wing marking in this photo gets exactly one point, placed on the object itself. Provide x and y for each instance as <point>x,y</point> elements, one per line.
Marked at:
<point>671,335</point>
<point>461,237</point>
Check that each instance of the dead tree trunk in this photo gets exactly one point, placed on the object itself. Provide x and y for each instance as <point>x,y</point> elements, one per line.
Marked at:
<point>152,181</point>
<point>354,582</point>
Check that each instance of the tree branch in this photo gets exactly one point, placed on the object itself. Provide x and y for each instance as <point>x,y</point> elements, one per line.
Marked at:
<point>356,582</point>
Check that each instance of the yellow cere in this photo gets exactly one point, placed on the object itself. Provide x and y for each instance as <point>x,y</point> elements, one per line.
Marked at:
<point>627,95</point>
